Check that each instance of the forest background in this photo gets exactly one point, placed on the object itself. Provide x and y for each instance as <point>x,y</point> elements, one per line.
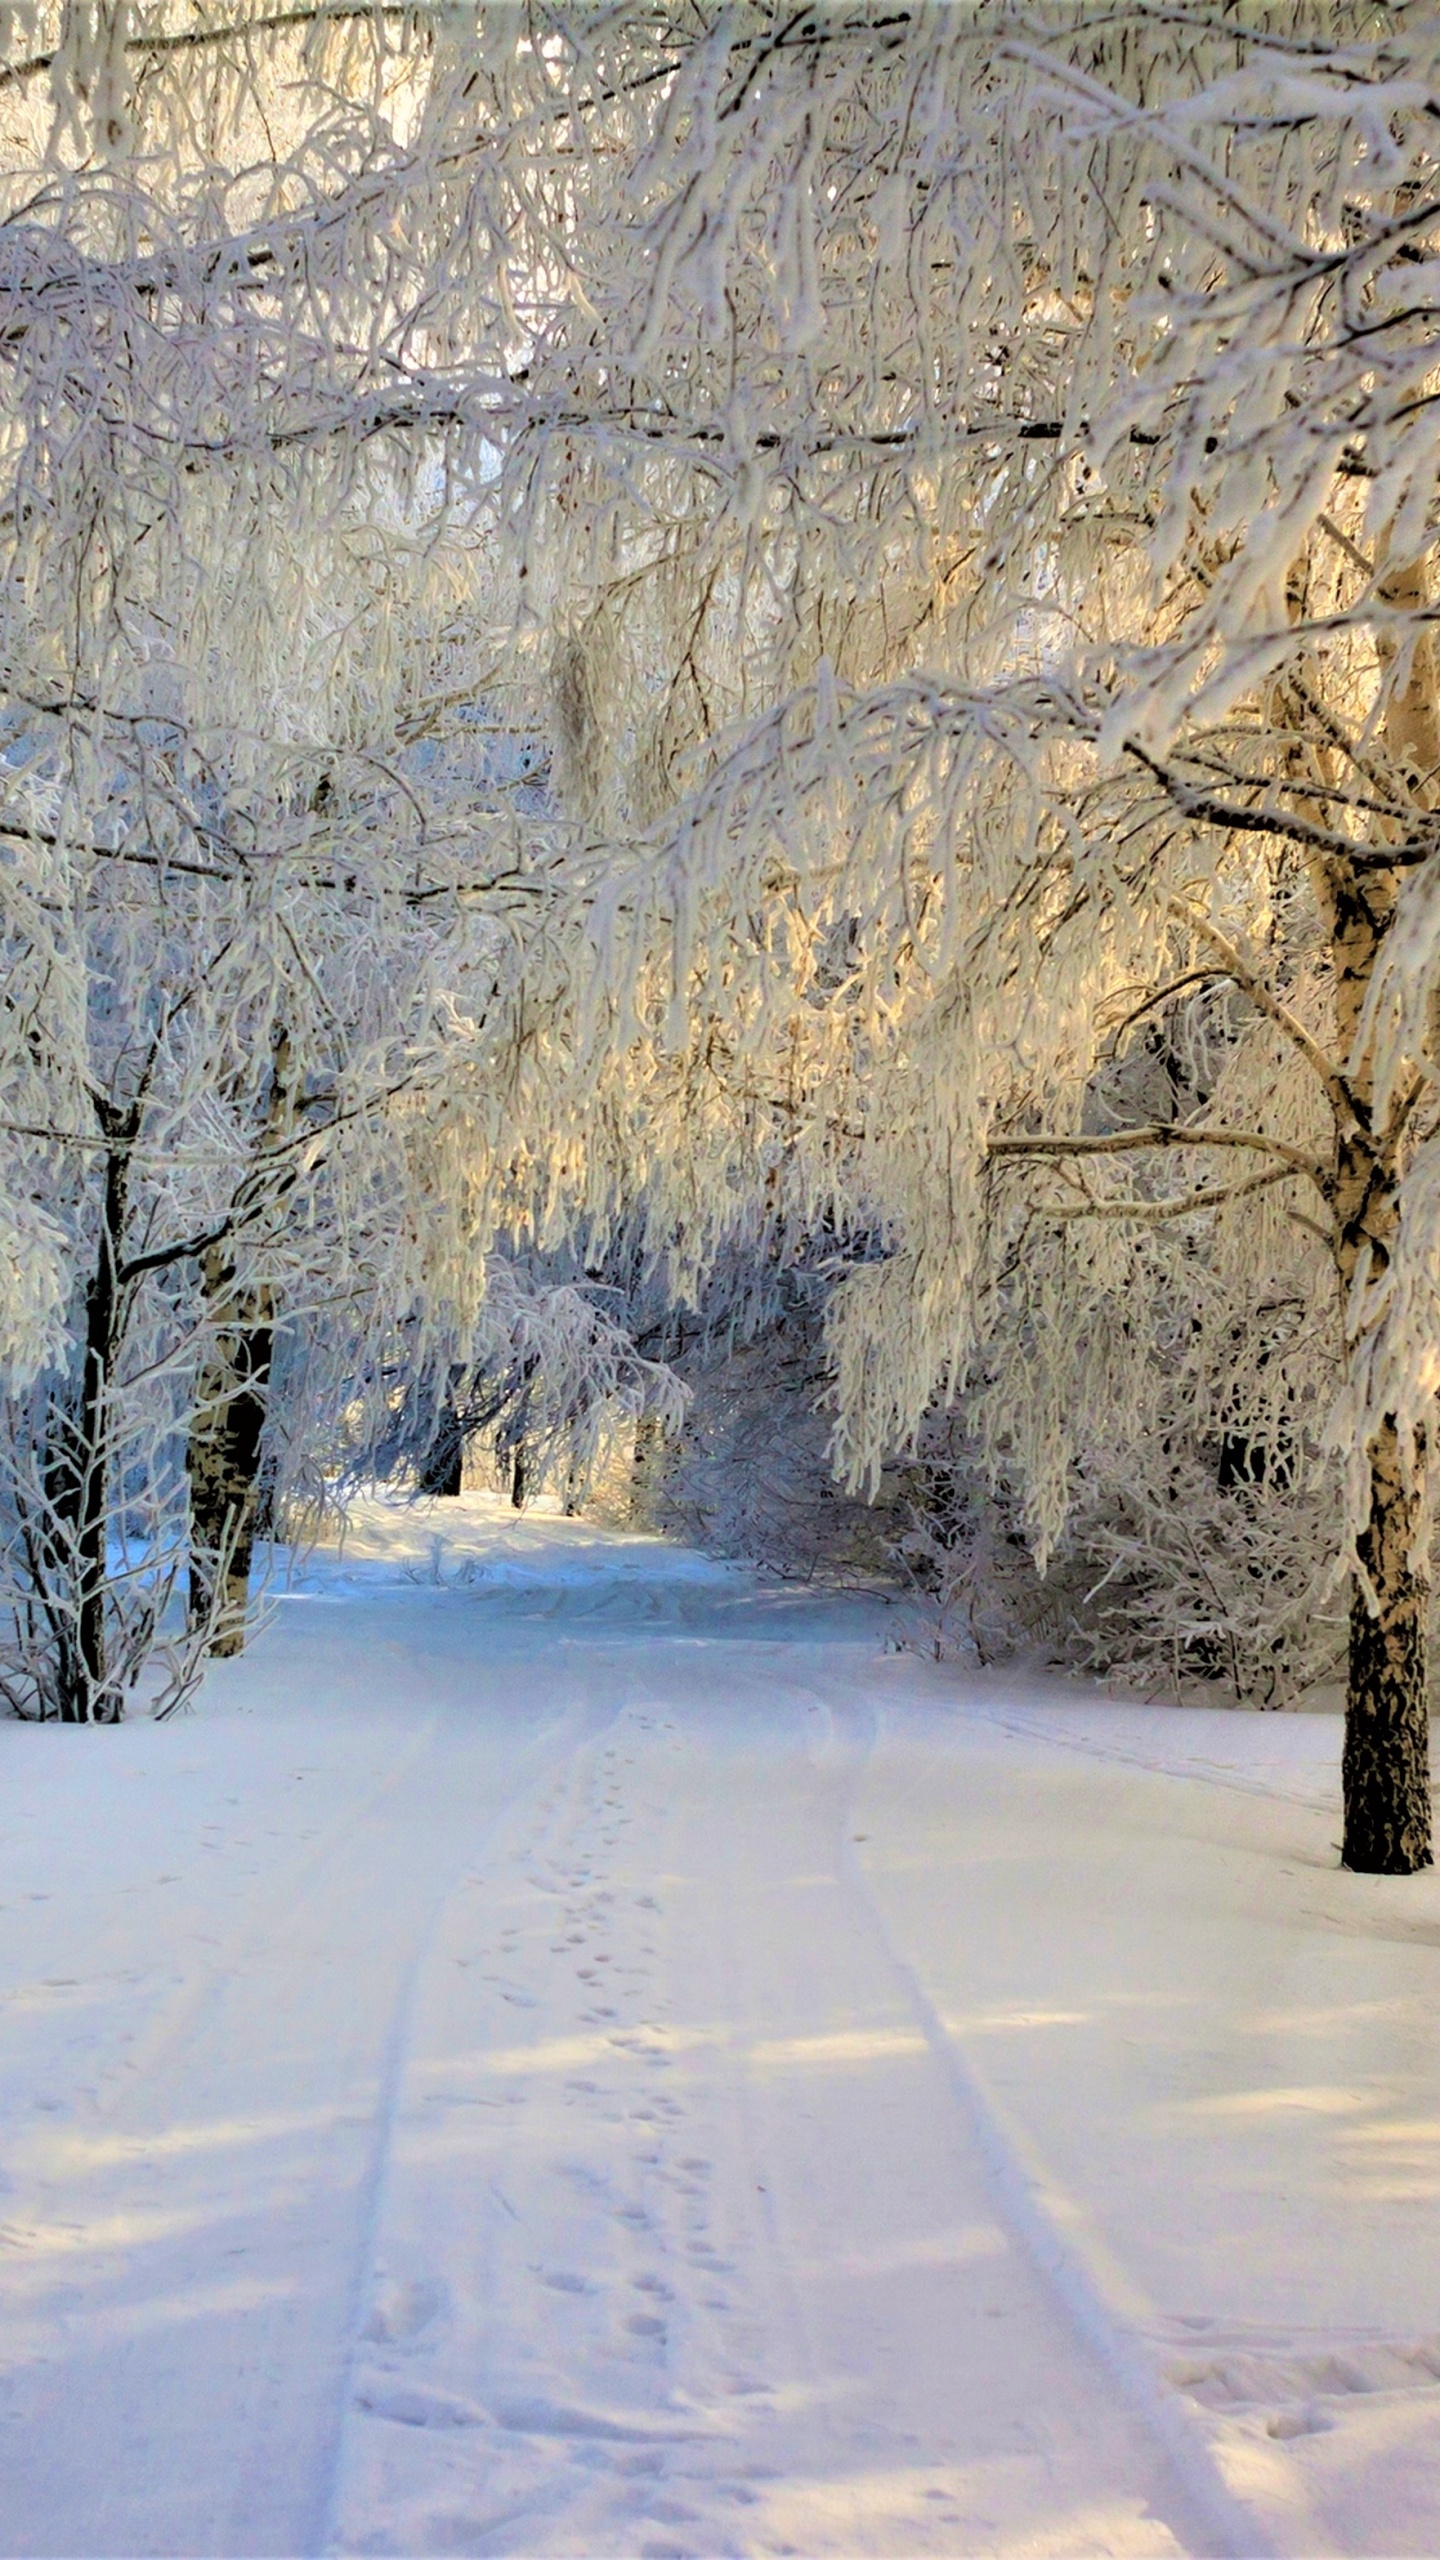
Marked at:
<point>719,741</point>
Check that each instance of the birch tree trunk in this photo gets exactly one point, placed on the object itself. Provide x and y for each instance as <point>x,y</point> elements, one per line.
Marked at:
<point>1386,1760</point>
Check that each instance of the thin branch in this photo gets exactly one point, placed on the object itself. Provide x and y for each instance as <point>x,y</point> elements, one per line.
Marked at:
<point>1268,821</point>
<point>1167,1134</point>
<point>1151,1210</point>
<point>192,39</point>
<point>109,852</point>
<point>55,1137</point>
<point>1338,1090</point>
<point>1176,986</point>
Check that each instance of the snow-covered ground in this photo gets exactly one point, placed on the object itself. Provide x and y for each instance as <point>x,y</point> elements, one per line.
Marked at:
<point>564,2051</point>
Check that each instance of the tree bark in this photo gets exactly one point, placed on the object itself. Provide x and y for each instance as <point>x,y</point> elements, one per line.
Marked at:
<point>77,1473</point>
<point>224,1450</point>
<point>223,1455</point>
<point>1386,1764</point>
<point>442,1469</point>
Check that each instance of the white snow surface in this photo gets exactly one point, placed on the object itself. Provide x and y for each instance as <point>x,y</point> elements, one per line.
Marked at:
<point>568,2050</point>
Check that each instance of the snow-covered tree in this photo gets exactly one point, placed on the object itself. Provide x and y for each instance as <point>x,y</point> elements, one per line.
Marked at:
<point>260,947</point>
<point>984,548</point>
<point>966,479</point>
<point>545,1378</point>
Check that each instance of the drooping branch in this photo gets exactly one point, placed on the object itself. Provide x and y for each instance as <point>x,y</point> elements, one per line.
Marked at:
<point>1343,1101</point>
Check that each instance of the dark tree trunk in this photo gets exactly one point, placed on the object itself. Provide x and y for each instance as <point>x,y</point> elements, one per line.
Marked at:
<point>442,1468</point>
<point>1386,1766</point>
<point>225,1451</point>
<point>510,1440</point>
<point>223,1458</point>
<point>77,1474</point>
<point>94,1487</point>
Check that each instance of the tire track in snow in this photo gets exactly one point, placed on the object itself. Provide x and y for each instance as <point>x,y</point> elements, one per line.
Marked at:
<point>193,2151</point>
<point>1093,2291</point>
<point>629,2426</point>
<point>511,2434</point>
<point>1026,1729</point>
<point>186,2008</point>
<point>593,1722</point>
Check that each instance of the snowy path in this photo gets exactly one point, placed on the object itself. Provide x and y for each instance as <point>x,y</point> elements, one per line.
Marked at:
<point>591,2059</point>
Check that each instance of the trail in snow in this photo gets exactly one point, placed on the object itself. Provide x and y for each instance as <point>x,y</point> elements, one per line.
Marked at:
<point>570,2052</point>
<point>718,2267</point>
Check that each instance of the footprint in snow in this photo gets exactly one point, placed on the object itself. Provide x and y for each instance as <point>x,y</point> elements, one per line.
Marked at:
<point>421,2408</point>
<point>537,2417</point>
<point>403,2308</point>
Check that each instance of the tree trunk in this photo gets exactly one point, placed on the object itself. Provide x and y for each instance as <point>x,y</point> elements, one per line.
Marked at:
<point>77,1473</point>
<point>227,1428</point>
<point>94,1485</point>
<point>223,1457</point>
<point>1386,1765</point>
<point>442,1469</point>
